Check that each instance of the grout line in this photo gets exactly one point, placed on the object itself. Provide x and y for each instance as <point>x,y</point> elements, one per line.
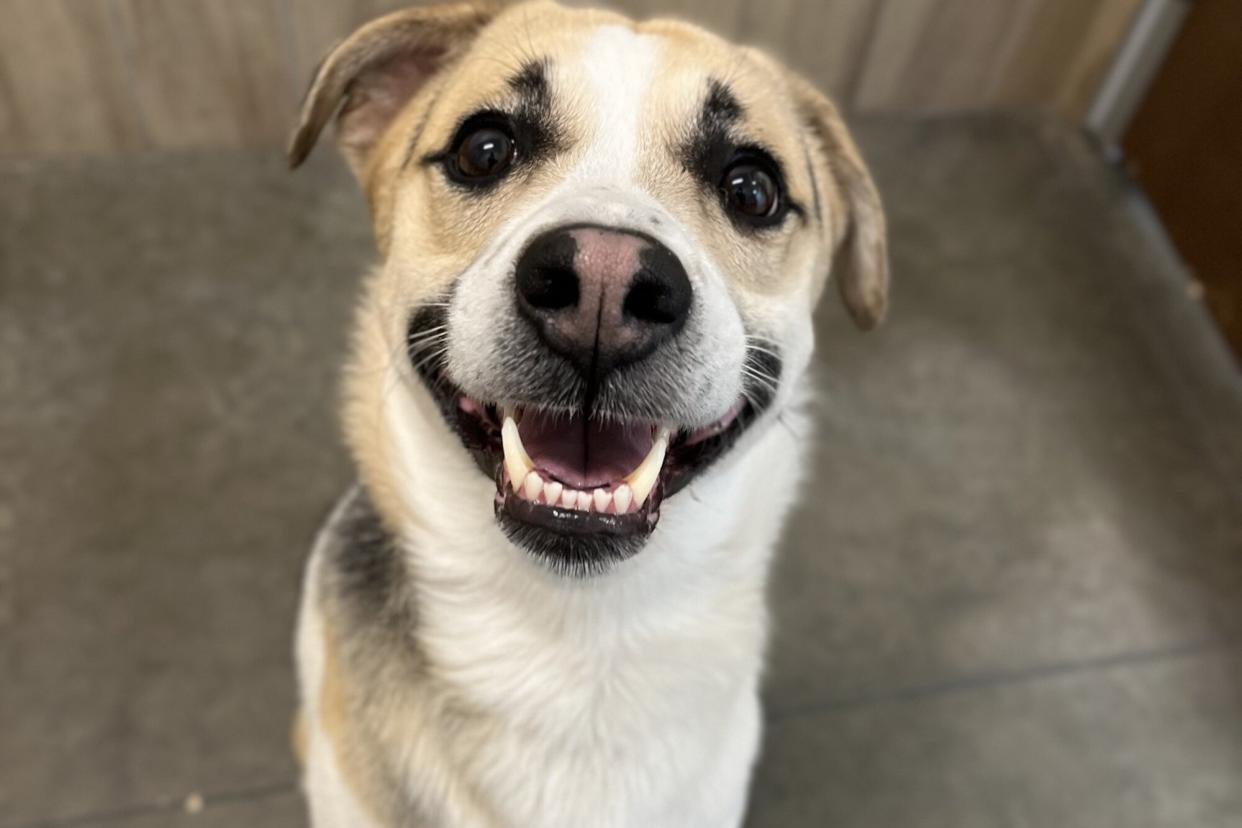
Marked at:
<point>1008,678</point>
<point>160,806</point>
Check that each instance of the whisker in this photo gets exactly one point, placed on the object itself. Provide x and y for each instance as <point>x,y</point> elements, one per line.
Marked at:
<point>756,343</point>
<point>753,371</point>
<point>759,350</point>
<point>413,345</point>
<point>429,358</point>
<point>439,330</point>
<point>768,383</point>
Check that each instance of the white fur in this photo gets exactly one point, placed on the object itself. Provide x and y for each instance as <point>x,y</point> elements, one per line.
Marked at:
<point>626,700</point>
<point>618,72</point>
<point>620,701</point>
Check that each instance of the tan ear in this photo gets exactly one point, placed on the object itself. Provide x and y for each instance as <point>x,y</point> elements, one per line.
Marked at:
<point>860,265</point>
<point>376,70</point>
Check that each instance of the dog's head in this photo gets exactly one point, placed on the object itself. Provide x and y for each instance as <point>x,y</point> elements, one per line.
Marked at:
<point>602,242</point>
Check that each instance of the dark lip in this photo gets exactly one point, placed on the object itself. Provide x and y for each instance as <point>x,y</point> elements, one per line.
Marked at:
<point>574,522</point>
<point>572,540</point>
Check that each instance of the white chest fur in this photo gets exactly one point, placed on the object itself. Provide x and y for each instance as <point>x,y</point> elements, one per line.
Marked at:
<point>625,700</point>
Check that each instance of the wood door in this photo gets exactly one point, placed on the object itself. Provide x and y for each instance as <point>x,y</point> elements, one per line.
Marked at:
<point>1185,147</point>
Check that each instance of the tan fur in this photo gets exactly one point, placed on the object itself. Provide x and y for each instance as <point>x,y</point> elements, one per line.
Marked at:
<point>340,723</point>
<point>363,402</point>
<point>465,54</point>
<point>862,252</point>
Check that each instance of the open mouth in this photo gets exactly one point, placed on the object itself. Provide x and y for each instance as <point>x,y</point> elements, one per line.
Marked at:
<point>582,489</point>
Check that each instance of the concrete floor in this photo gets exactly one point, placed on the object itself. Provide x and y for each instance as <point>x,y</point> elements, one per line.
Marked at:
<point>1013,597</point>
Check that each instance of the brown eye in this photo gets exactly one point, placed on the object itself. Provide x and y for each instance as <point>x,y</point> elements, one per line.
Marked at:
<point>751,192</point>
<point>484,155</point>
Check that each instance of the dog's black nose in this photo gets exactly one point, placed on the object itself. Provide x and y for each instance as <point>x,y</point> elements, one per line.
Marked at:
<point>602,297</point>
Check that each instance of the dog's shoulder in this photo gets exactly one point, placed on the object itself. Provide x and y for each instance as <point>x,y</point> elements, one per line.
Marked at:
<point>361,561</point>
<point>363,582</point>
<point>357,653</point>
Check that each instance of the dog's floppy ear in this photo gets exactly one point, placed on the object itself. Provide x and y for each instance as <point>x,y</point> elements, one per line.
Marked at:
<point>376,70</point>
<point>860,265</point>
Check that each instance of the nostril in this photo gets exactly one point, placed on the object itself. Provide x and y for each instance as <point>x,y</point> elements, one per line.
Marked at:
<point>649,300</point>
<point>657,301</point>
<point>549,287</point>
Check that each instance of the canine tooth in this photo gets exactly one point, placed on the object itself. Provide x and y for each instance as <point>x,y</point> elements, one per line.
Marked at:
<point>517,461</point>
<point>552,492</point>
<point>569,499</point>
<point>533,486</point>
<point>584,501</point>
<point>643,479</point>
<point>623,497</point>
<point>602,499</point>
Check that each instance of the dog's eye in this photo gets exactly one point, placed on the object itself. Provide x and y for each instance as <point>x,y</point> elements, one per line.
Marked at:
<point>484,154</point>
<point>751,192</point>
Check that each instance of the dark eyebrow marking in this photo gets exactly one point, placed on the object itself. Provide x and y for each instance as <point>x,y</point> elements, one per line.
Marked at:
<point>531,81</point>
<point>534,101</point>
<point>526,112</point>
<point>711,143</point>
<point>721,106</point>
<point>540,133</point>
<point>715,139</point>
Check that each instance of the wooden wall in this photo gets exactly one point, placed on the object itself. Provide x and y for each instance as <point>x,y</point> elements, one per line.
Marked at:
<point>113,76</point>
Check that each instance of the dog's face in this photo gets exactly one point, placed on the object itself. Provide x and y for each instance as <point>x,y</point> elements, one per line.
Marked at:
<point>602,245</point>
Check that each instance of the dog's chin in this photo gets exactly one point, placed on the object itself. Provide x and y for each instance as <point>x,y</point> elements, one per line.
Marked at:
<point>581,491</point>
<point>567,542</point>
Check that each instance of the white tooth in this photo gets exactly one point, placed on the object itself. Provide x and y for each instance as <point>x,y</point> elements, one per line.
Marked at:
<point>569,499</point>
<point>533,486</point>
<point>643,479</point>
<point>623,497</point>
<point>602,499</point>
<point>584,501</point>
<point>552,492</point>
<point>517,461</point>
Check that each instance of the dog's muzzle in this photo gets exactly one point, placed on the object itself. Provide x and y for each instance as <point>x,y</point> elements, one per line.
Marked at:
<point>581,484</point>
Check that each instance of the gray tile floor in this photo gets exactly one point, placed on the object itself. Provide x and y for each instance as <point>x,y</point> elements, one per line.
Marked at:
<point>1013,596</point>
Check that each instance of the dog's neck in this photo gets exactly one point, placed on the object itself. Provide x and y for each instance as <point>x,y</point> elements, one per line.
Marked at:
<point>486,608</point>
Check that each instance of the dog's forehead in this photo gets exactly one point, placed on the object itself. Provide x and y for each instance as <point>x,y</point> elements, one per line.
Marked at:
<point>622,85</point>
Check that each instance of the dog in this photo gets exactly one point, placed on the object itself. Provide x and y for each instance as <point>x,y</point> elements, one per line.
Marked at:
<point>577,406</point>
